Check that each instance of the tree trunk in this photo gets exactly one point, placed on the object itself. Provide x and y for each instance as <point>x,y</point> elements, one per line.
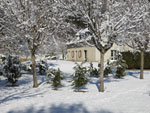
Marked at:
<point>35,85</point>
<point>142,64</point>
<point>102,72</point>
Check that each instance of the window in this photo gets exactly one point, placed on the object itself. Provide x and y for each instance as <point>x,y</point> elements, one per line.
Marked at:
<point>80,54</point>
<point>114,54</point>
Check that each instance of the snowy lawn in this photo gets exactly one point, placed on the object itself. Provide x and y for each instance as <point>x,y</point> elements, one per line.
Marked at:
<point>128,95</point>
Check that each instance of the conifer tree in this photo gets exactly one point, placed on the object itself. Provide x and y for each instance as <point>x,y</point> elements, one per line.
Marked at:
<point>79,77</point>
<point>12,69</point>
<point>56,78</point>
<point>121,67</point>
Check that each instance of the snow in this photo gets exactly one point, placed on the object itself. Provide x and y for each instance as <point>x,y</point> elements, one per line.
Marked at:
<point>127,95</point>
<point>83,31</point>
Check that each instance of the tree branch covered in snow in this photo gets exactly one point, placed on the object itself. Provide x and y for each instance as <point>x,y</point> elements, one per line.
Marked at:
<point>8,35</point>
<point>138,34</point>
<point>105,19</point>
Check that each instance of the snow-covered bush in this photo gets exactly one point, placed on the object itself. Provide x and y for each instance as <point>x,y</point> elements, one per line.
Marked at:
<point>51,72</point>
<point>27,66</point>
<point>108,69</point>
<point>117,68</point>
<point>55,77</point>
<point>42,67</point>
<point>12,69</point>
<point>79,77</point>
<point>93,71</point>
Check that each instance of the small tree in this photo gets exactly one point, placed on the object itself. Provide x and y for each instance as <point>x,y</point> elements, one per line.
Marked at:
<point>79,77</point>
<point>138,36</point>
<point>56,77</point>
<point>121,68</point>
<point>12,69</point>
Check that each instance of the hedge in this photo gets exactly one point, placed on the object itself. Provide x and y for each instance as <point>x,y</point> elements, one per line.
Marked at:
<point>133,59</point>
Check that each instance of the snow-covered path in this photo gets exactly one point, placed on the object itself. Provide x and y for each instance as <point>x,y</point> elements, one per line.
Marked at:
<point>128,95</point>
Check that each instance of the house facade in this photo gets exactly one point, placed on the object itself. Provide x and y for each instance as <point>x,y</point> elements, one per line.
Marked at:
<point>91,54</point>
<point>82,49</point>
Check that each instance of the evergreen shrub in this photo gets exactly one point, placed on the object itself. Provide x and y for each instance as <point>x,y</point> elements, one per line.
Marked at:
<point>107,69</point>
<point>93,71</point>
<point>121,68</point>
<point>79,77</point>
<point>42,67</point>
<point>12,69</point>
<point>117,68</point>
<point>55,77</point>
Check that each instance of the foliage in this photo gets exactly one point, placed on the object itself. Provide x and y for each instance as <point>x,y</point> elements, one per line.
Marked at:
<point>55,77</point>
<point>117,68</point>
<point>121,68</point>
<point>12,69</point>
<point>36,22</point>
<point>42,67</point>
<point>93,71</point>
<point>79,77</point>
<point>133,59</point>
<point>120,72</point>
<point>107,69</point>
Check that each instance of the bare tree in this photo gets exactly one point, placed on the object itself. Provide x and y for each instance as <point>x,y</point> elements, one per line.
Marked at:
<point>138,36</point>
<point>105,19</point>
<point>34,19</point>
<point>39,23</point>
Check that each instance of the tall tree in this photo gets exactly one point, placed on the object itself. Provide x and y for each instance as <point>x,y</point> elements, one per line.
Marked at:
<point>39,23</point>
<point>34,19</point>
<point>138,36</point>
<point>105,19</point>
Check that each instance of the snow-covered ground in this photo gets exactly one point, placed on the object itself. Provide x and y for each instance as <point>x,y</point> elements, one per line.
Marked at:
<point>128,95</point>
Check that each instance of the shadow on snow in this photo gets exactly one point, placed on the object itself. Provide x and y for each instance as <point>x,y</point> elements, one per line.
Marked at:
<point>27,93</point>
<point>134,74</point>
<point>106,80</point>
<point>19,92</point>
<point>61,108</point>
